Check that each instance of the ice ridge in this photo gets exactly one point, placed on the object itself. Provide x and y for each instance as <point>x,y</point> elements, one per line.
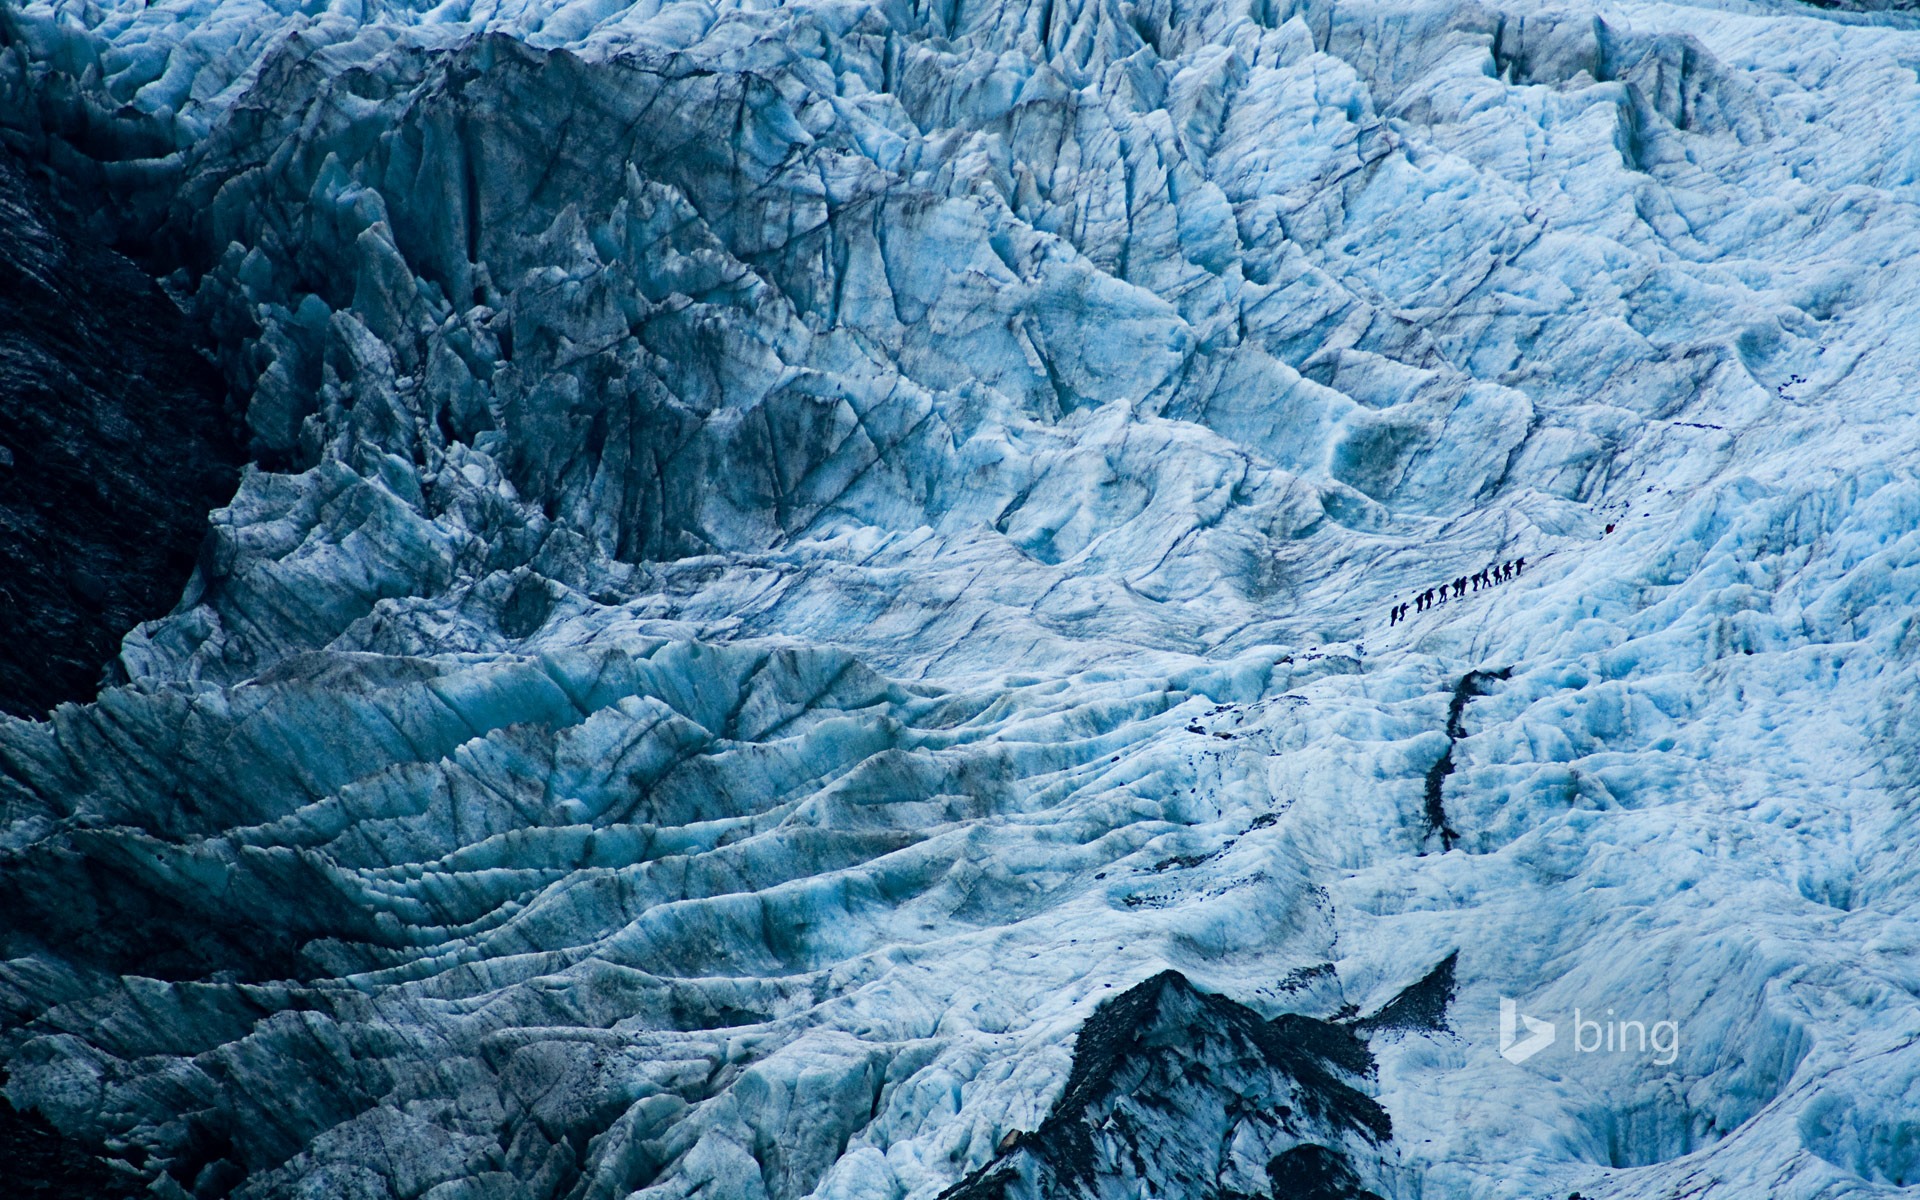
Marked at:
<point>805,567</point>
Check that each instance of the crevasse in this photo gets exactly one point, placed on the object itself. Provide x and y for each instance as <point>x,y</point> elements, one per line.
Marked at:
<point>799,558</point>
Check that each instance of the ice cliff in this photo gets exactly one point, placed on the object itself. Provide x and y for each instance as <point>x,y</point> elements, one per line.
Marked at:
<point>809,614</point>
<point>113,447</point>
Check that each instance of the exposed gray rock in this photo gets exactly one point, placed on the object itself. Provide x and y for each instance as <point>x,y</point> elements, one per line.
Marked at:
<point>795,552</point>
<point>1178,1093</point>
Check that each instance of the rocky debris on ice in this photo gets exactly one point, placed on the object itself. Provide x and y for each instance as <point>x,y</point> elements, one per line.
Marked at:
<point>794,553</point>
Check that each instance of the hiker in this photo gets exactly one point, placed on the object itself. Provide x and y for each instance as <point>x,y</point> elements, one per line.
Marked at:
<point>1393,616</point>
<point>1519,565</point>
<point>1459,587</point>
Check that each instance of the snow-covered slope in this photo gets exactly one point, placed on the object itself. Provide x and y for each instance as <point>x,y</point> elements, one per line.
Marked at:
<point>803,556</point>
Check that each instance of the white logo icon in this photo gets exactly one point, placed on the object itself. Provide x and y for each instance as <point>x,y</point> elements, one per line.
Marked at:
<point>1515,1049</point>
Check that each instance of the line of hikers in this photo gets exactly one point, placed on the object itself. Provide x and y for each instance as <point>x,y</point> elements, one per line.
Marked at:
<point>1438,595</point>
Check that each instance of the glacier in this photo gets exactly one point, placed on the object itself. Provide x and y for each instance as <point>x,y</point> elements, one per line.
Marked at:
<point>809,610</point>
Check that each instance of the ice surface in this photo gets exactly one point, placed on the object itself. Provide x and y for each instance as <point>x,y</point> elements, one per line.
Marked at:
<point>798,549</point>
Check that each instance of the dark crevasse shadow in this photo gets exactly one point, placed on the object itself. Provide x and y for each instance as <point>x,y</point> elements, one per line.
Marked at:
<point>115,443</point>
<point>39,1163</point>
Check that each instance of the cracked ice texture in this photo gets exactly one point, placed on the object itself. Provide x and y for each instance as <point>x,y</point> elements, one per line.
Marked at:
<point>799,548</point>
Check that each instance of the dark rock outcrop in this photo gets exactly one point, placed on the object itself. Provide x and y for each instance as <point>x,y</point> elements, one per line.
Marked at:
<point>1178,1092</point>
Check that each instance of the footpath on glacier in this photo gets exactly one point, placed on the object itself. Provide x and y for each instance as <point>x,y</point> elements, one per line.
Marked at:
<point>809,610</point>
